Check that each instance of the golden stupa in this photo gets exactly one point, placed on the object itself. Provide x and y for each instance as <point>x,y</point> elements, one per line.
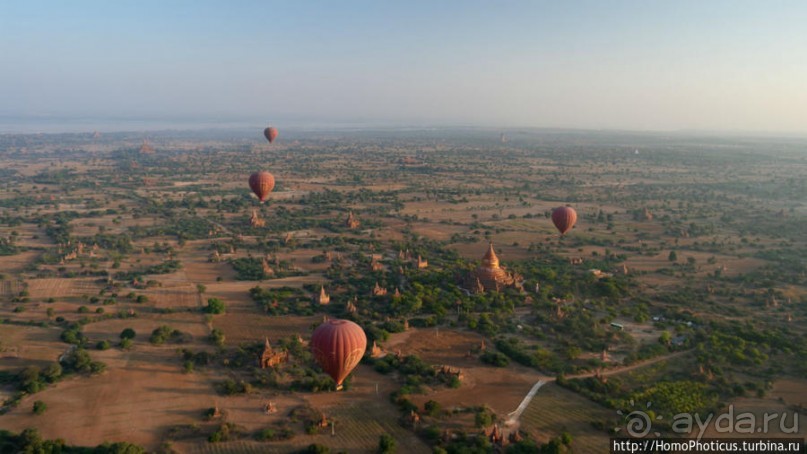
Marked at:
<point>490,275</point>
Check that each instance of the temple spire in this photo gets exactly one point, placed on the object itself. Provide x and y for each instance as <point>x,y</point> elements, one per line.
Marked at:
<point>490,260</point>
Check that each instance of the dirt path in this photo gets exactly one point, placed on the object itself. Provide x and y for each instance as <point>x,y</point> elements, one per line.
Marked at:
<point>513,419</point>
<point>619,370</point>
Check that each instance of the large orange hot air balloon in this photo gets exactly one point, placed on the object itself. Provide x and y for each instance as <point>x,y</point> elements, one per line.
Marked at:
<point>564,218</point>
<point>270,133</point>
<point>338,346</point>
<point>261,184</point>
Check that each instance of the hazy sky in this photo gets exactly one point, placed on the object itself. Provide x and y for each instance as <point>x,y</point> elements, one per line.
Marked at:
<point>709,65</point>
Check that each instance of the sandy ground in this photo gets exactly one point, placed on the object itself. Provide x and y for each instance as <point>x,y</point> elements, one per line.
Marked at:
<point>141,393</point>
<point>22,346</point>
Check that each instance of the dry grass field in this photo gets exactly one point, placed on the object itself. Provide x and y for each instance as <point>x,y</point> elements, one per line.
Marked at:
<point>142,392</point>
<point>16,263</point>
<point>21,346</point>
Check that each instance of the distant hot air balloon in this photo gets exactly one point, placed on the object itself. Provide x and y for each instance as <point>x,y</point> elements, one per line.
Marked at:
<point>270,133</point>
<point>564,218</point>
<point>338,346</point>
<point>261,184</point>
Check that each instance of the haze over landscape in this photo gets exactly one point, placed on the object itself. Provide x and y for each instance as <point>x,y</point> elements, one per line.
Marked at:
<point>690,65</point>
<point>448,227</point>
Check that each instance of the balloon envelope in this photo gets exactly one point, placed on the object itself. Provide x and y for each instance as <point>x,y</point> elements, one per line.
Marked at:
<point>338,346</point>
<point>261,184</point>
<point>564,218</point>
<point>270,133</point>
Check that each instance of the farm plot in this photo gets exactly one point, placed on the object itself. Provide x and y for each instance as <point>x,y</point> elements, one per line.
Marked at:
<point>62,288</point>
<point>745,412</point>
<point>200,270</point>
<point>16,263</point>
<point>439,232</point>
<point>29,235</point>
<point>176,279</point>
<point>791,391</point>
<point>358,427</point>
<point>10,288</point>
<point>555,410</point>
<point>135,400</point>
<point>22,346</point>
<point>110,329</point>
<point>436,346</point>
<point>252,327</point>
<point>183,296</point>
<point>504,248</point>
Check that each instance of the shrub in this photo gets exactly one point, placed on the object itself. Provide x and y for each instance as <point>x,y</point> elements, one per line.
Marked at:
<point>432,408</point>
<point>79,361</point>
<point>483,418</point>
<point>52,373</point>
<point>39,407</point>
<point>165,334</point>
<point>225,432</point>
<point>316,449</point>
<point>386,444</point>
<point>495,359</point>
<point>217,337</point>
<point>283,433</point>
<point>215,306</point>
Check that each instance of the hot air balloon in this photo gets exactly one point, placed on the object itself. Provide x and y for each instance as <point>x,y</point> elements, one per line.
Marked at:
<point>338,346</point>
<point>564,218</point>
<point>270,133</point>
<point>262,184</point>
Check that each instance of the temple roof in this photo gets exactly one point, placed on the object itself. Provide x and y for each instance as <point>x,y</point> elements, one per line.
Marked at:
<point>489,275</point>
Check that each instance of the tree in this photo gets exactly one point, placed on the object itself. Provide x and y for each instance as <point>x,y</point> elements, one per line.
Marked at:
<point>495,359</point>
<point>217,337</point>
<point>673,257</point>
<point>566,438</point>
<point>665,338</point>
<point>53,372</point>
<point>483,418</point>
<point>432,408</point>
<point>128,333</point>
<point>386,444</point>
<point>200,288</point>
<point>39,407</point>
<point>215,306</point>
